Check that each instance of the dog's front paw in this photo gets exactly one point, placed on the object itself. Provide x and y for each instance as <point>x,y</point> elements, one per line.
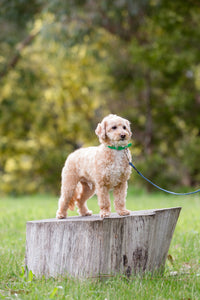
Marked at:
<point>104,213</point>
<point>124,212</point>
<point>60,215</point>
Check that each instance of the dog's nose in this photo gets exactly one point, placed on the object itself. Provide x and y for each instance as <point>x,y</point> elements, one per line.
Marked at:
<point>123,136</point>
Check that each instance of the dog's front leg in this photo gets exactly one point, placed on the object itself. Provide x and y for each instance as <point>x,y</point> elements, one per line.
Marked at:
<point>120,199</point>
<point>103,201</point>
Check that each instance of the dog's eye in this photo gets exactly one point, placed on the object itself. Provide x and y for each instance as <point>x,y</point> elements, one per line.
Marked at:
<point>124,127</point>
<point>114,127</point>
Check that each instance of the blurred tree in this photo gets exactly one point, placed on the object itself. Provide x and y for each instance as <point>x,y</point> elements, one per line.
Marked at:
<point>64,64</point>
<point>48,106</point>
<point>155,73</point>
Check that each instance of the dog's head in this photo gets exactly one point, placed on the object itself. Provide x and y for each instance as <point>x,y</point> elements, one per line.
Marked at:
<point>114,131</point>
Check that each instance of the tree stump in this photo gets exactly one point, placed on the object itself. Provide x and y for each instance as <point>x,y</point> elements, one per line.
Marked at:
<point>90,246</point>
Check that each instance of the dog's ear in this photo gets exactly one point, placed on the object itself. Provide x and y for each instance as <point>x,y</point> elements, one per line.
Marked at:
<point>101,130</point>
<point>128,124</point>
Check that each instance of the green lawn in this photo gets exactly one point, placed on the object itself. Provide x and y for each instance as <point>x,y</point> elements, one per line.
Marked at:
<point>181,279</point>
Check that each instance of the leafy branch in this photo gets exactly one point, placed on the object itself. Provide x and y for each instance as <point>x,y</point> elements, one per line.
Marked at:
<point>14,60</point>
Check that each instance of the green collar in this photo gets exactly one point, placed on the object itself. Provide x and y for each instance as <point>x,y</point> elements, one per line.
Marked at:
<point>120,147</point>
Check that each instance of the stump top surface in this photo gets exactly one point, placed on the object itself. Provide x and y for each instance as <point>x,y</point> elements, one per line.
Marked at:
<point>93,218</point>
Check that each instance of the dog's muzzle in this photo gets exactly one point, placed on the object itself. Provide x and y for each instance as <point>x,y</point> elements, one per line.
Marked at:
<point>122,136</point>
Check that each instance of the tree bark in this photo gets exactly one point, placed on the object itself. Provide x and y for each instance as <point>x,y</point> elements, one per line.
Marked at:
<point>149,122</point>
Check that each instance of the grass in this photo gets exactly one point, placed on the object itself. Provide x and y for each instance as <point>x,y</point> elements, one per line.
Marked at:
<point>181,279</point>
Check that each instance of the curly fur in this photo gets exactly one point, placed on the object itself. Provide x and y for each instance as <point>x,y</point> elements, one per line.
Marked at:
<point>98,170</point>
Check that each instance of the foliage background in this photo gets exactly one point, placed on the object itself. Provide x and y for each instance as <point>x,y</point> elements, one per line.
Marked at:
<point>64,65</point>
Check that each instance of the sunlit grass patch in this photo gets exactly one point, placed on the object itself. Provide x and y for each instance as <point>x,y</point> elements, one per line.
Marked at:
<point>181,279</point>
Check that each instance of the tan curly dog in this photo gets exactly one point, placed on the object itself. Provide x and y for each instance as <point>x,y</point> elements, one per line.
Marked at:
<point>98,170</point>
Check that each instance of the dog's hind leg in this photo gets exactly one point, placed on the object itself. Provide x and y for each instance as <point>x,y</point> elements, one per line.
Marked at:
<point>68,187</point>
<point>84,191</point>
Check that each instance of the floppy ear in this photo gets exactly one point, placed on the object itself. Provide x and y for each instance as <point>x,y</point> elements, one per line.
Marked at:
<point>128,124</point>
<point>101,130</point>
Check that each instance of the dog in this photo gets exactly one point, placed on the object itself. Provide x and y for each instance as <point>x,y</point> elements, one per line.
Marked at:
<point>98,170</point>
